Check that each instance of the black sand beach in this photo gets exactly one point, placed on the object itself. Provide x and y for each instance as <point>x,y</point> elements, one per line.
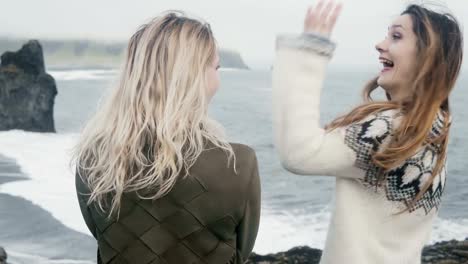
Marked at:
<point>34,235</point>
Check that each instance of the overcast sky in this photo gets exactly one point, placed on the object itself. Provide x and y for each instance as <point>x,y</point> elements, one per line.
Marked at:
<point>248,26</point>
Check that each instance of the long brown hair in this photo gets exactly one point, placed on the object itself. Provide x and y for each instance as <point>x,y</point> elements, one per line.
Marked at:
<point>439,58</point>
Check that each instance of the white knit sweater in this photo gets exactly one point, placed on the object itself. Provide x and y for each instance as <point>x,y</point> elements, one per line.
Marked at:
<point>365,227</point>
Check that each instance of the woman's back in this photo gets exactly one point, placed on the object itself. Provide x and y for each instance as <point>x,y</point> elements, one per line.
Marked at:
<point>156,181</point>
<point>209,216</point>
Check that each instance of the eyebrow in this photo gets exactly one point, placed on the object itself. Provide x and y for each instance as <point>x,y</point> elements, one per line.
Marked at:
<point>396,26</point>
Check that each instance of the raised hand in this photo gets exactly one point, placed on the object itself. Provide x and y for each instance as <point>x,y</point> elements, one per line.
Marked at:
<point>321,18</point>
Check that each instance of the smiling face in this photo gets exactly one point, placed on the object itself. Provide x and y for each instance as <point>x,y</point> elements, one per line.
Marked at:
<point>398,55</point>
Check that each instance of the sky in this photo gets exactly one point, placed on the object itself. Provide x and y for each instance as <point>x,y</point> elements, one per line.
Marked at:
<point>247,26</point>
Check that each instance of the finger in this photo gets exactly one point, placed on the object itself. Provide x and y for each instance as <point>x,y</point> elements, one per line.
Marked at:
<point>309,18</point>
<point>334,17</point>
<point>324,16</point>
<point>325,12</point>
<point>319,7</point>
<point>312,17</point>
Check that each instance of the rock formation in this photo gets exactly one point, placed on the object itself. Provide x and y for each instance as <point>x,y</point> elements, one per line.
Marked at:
<point>3,256</point>
<point>448,252</point>
<point>27,92</point>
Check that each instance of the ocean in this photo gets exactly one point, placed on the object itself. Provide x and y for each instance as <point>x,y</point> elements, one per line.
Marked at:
<point>295,209</point>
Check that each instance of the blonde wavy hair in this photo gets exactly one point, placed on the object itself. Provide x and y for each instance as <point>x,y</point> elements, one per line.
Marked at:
<point>154,125</point>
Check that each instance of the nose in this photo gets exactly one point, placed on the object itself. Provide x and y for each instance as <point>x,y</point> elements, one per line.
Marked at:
<point>380,47</point>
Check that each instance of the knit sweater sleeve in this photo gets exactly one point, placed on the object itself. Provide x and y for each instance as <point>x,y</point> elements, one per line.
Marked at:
<point>303,146</point>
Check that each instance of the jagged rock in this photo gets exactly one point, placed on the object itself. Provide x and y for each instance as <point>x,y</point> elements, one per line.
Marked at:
<point>3,256</point>
<point>297,255</point>
<point>448,252</point>
<point>27,92</point>
<point>29,58</point>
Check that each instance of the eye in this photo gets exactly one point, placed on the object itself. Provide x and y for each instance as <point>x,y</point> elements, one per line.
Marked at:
<point>396,36</point>
<point>217,67</point>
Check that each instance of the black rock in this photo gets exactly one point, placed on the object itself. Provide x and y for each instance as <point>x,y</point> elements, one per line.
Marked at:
<point>297,255</point>
<point>3,256</point>
<point>448,252</point>
<point>29,58</point>
<point>27,92</point>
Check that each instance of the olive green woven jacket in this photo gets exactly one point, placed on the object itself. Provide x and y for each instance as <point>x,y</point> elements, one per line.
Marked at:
<point>211,216</point>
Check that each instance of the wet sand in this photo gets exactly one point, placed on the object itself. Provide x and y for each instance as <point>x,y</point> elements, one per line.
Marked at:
<point>32,235</point>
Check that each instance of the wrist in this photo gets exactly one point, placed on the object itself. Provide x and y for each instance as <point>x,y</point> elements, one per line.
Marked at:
<point>309,41</point>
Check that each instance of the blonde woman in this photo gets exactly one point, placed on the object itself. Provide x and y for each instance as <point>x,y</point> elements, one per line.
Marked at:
<point>156,180</point>
<point>388,157</point>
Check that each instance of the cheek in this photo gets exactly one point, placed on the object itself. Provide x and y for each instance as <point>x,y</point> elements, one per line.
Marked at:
<point>213,81</point>
<point>406,56</point>
<point>408,67</point>
<point>216,80</point>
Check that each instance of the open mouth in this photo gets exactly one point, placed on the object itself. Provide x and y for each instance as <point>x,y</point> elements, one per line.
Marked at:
<point>387,64</point>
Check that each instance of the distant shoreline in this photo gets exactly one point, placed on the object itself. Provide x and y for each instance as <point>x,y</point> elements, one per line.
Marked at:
<point>90,53</point>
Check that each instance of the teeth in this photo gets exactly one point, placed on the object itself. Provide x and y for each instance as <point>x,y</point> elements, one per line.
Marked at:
<point>386,62</point>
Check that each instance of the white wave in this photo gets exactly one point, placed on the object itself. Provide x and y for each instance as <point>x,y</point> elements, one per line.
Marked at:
<point>89,74</point>
<point>448,229</point>
<point>68,75</point>
<point>15,257</point>
<point>280,231</point>
<point>283,231</point>
<point>44,157</point>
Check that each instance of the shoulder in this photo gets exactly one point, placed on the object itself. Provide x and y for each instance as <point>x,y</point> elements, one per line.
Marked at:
<point>379,124</point>
<point>246,162</point>
<point>373,132</point>
<point>245,156</point>
<point>216,170</point>
<point>243,151</point>
<point>391,117</point>
<point>216,160</point>
<point>247,169</point>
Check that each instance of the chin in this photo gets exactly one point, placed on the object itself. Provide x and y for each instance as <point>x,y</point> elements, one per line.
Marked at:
<point>384,86</point>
